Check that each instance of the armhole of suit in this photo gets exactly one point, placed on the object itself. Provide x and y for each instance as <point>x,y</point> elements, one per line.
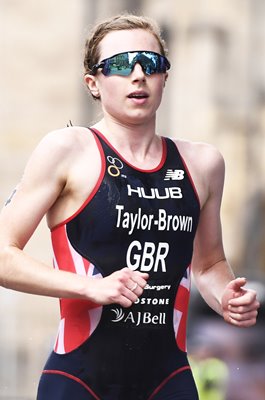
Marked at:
<point>94,190</point>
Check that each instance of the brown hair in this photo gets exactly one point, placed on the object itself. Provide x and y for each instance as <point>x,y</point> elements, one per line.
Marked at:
<point>118,23</point>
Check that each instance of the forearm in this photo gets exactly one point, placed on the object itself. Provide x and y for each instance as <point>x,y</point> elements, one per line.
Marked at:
<point>19,271</point>
<point>211,283</point>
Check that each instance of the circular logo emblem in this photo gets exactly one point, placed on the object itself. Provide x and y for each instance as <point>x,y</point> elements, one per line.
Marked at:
<point>115,166</point>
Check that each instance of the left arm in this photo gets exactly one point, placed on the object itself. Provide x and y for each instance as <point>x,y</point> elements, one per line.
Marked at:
<point>212,272</point>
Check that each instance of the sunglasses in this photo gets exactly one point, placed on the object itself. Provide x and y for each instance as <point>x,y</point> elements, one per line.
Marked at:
<point>123,63</point>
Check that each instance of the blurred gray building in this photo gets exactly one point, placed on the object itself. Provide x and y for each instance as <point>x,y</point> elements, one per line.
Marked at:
<point>215,93</point>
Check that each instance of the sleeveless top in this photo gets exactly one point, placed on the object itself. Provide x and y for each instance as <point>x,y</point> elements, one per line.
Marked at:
<point>145,220</point>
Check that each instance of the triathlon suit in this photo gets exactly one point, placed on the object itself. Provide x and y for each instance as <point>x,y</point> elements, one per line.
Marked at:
<point>145,220</point>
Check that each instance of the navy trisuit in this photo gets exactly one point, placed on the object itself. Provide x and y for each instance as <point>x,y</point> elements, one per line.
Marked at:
<point>145,220</point>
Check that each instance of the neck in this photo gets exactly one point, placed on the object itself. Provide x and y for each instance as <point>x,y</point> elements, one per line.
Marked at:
<point>120,131</point>
<point>138,143</point>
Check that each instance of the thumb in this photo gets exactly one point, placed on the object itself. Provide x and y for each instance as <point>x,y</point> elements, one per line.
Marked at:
<point>233,290</point>
<point>236,284</point>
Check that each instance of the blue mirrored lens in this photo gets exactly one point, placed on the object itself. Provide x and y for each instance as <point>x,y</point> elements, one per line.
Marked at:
<point>123,63</point>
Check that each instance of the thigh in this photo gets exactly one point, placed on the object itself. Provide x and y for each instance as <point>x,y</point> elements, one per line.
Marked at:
<point>54,386</point>
<point>179,387</point>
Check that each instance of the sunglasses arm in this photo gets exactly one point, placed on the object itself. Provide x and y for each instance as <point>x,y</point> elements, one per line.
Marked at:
<point>96,67</point>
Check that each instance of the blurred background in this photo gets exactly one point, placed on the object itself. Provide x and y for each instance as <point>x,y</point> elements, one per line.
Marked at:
<point>215,93</point>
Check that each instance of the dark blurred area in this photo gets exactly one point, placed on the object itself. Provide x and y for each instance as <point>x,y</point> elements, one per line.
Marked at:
<point>228,362</point>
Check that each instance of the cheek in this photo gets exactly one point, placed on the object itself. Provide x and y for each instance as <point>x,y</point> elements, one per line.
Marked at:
<point>112,99</point>
<point>161,84</point>
<point>109,91</point>
<point>159,90</point>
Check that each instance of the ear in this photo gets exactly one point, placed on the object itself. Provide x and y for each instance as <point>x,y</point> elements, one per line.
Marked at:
<point>166,76</point>
<point>92,85</point>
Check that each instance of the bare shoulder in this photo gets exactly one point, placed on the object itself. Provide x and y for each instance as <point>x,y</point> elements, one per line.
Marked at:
<point>59,157</point>
<point>61,147</point>
<point>199,155</point>
<point>200,152</point>
<point>66,154</point>
<point>66,139</point>
<point>60,167</point>
<point>206,166</point>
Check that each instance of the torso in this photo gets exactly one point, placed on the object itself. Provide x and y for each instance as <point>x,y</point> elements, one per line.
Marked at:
<point>145,219</point>
<point>85,155</point>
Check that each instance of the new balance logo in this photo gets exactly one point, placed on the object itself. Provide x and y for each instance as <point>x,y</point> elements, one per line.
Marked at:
<point>174,175</point>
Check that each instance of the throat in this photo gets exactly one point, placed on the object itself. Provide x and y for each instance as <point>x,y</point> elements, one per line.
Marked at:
<point>146,158</point>
<point>141,148</point>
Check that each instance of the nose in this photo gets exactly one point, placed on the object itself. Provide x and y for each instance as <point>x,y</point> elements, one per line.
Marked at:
<point>138,72</point>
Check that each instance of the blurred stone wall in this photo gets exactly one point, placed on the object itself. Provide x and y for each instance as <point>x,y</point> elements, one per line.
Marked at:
<point>41,85</point>
<point>215,93</point>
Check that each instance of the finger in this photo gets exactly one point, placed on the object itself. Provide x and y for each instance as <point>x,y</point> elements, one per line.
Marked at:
<point>236,284</point>
<point>241,317</point>
<point>138,291</point>
<point>124,302</point>
<point>135,288</point>
<point>131,284</point>
<point>142,275</point>
<point>253,306</point>
<point>131,298</point>
<point>135,281</point>
<point>247,298</point>
<point>136,276</point>
<point>140,281</point>
<point>242,324</point>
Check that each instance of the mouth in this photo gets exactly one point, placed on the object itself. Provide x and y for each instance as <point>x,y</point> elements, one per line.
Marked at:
<point>138,95</point>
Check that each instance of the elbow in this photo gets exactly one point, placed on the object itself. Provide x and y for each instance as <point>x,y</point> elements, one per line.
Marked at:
<point>6,262</point>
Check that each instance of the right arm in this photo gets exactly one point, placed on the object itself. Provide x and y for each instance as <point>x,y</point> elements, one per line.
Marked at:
<point>43,183</point>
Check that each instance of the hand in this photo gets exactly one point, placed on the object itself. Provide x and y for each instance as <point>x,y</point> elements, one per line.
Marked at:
<point>121,287</point>
<point>240,306</point>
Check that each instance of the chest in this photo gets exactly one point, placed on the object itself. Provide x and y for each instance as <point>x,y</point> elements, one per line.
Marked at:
<point>143,219</point>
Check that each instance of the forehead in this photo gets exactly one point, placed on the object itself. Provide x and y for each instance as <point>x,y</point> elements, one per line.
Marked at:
<point>127,40</point>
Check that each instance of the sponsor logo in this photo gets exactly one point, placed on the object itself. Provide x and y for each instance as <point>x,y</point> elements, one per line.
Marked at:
<point>155,193</point>
<point>119,314</point>
<point>138,318</point>
<point>114,169</point>
<point>153,301</point>
<point>157,287</point>
<point>174,175</point>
